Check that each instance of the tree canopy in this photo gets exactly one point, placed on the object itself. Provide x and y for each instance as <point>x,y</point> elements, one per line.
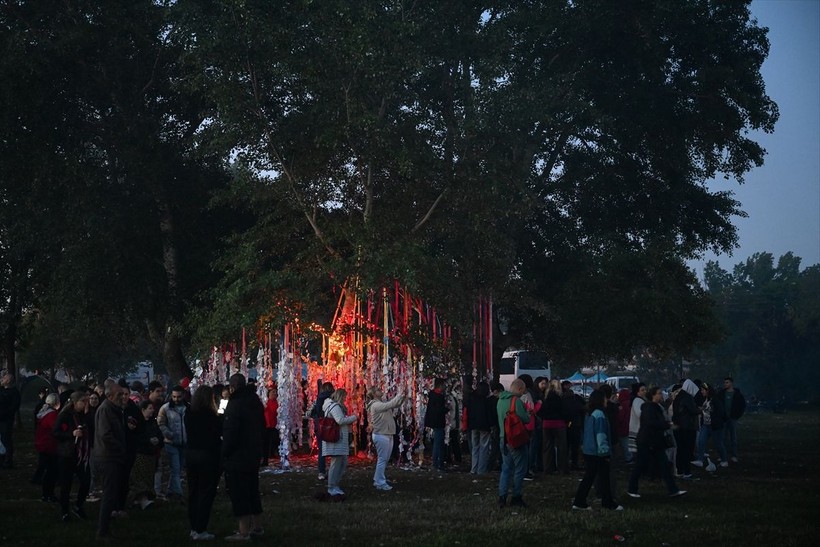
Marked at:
<point>551,154</point>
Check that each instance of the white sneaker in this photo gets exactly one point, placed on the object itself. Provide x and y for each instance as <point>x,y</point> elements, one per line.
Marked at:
<point>619,508</point>
<point>697,463</point>
<point>202,536</point>
<point>322,476</point>
<point>678,493</point>
<point>724,464</point>
<point>734,459</point>
<point>384,487</point>
<point>633,495</point>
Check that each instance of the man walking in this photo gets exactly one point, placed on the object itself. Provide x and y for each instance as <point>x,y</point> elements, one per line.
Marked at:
<point>171,421</point>
<point>435,418</point>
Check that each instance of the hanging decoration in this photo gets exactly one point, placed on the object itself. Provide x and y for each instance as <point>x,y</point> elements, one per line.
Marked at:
<point>389,339</point>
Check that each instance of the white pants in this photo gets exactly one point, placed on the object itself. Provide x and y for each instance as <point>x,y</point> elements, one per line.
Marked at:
<point>384,447</point>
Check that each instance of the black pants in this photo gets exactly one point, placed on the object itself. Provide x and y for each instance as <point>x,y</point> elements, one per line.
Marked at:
<point>270,445</point>
<point>649,457</point>
<point>51,473</point>
<point>574,436</point>
<point>125,481</point>
<point>595,466</point>
<point>7,438</point>
<point>110,480</point>
<point>37,478</point>
<point>68,468</point>
<point>686,450</point>
<point>243,489</point>
<point>203,478</point>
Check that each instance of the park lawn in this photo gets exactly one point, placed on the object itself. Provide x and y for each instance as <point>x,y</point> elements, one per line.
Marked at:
<point>770,497</point>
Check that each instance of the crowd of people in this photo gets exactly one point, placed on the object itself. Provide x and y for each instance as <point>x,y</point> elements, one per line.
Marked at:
<point>128,445</point>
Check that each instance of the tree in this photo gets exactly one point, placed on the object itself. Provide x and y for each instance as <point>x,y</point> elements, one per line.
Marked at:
<point>534,151</point>
<point>124,192</point>
<point>770,314</point>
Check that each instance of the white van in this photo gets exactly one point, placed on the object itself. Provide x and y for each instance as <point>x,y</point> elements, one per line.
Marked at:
<point>514,363</point>
<point>622,382</point>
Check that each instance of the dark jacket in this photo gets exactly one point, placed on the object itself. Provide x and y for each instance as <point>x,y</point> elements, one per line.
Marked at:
<point>9,403</point>
<point>685,412</point>
<point>109,434</point>
<point>243,431</point>
<point>738,404</point>
<point>69,446</point>
<point>481,414</point>
<point>653,425</point>
<point>553,408</point>
<point>204,436</point>
<point>436,413</point>
<point>145,431</point>
<point>573,409</point>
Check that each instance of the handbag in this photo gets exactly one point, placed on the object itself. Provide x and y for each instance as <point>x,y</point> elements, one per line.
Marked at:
<point>329,430</point>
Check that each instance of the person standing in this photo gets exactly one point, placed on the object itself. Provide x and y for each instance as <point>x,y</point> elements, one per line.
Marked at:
<point>243,430</point>
<point>326,391</point>
<point>734,405</point>
<point>74,452</point>
<point>271,443</point>
<point>554,427</point>
<point>202,459</point>
<point>109,453</point>
<point>147,445</point>
<point>9,406</point>
<point>46,445</point>
<point>171,421</point>
<point>435,417</point>
<point>685,415</point>
<point>480,420</point>
<point>597,448</point>
<point>383,425</point>
<point>712,416</point>
<point>513,460</point>
<point>573,410</point>
<point>651,445</point>
<point>334,407</point>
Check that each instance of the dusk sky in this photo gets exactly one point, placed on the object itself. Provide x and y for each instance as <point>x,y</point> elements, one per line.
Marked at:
<point>782,198</point>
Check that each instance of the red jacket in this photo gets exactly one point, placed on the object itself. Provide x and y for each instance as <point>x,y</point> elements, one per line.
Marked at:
<point>44,440</point>
<point>271,409</point>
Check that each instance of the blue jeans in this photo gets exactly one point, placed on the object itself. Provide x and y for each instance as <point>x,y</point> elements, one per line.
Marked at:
<point>438,448</point>
<point>730,437</point>
<point>513,462</point>
<point>704,433</point>
<point>480,451</point>
<point>176,461</point>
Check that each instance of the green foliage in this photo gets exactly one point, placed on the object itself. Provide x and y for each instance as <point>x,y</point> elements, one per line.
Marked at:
<point>772,317</point>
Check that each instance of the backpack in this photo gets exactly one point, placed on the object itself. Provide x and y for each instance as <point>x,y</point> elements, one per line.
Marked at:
<point>515,432</point>
<point>329,430</point>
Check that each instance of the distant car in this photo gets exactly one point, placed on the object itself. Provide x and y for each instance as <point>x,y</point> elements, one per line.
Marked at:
<point>583,390</point>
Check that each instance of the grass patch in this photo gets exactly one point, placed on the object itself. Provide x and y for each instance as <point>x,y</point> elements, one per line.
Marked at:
<point>770,497</point>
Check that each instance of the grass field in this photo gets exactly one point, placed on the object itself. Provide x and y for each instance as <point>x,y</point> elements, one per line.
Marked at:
<point>770,498</point>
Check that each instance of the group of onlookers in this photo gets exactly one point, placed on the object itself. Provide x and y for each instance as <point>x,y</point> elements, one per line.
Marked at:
<point>660,434</point>
<point>136,444</point>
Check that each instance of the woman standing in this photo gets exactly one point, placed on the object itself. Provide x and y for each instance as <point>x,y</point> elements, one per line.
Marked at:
<point>554,426</point>
<point>74,451</point>
<point>597,452</point>
<point>638,399</point>
<point>339,450</point>
<point>651,445</point>
<point>711,425</point>
<point>271,443</point>
<point>202,459</point>
<point>481,417</point>
<point>46,445</point>
<point>383,425</point>
<point>148,443</point>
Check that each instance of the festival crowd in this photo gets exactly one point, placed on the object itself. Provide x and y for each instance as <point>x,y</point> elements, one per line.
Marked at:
<point>127,446</point>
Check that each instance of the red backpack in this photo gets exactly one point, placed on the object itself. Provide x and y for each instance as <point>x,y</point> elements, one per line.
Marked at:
<point>515,432</point>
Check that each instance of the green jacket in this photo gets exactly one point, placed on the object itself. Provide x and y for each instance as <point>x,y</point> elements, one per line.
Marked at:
<point>503,406</point>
